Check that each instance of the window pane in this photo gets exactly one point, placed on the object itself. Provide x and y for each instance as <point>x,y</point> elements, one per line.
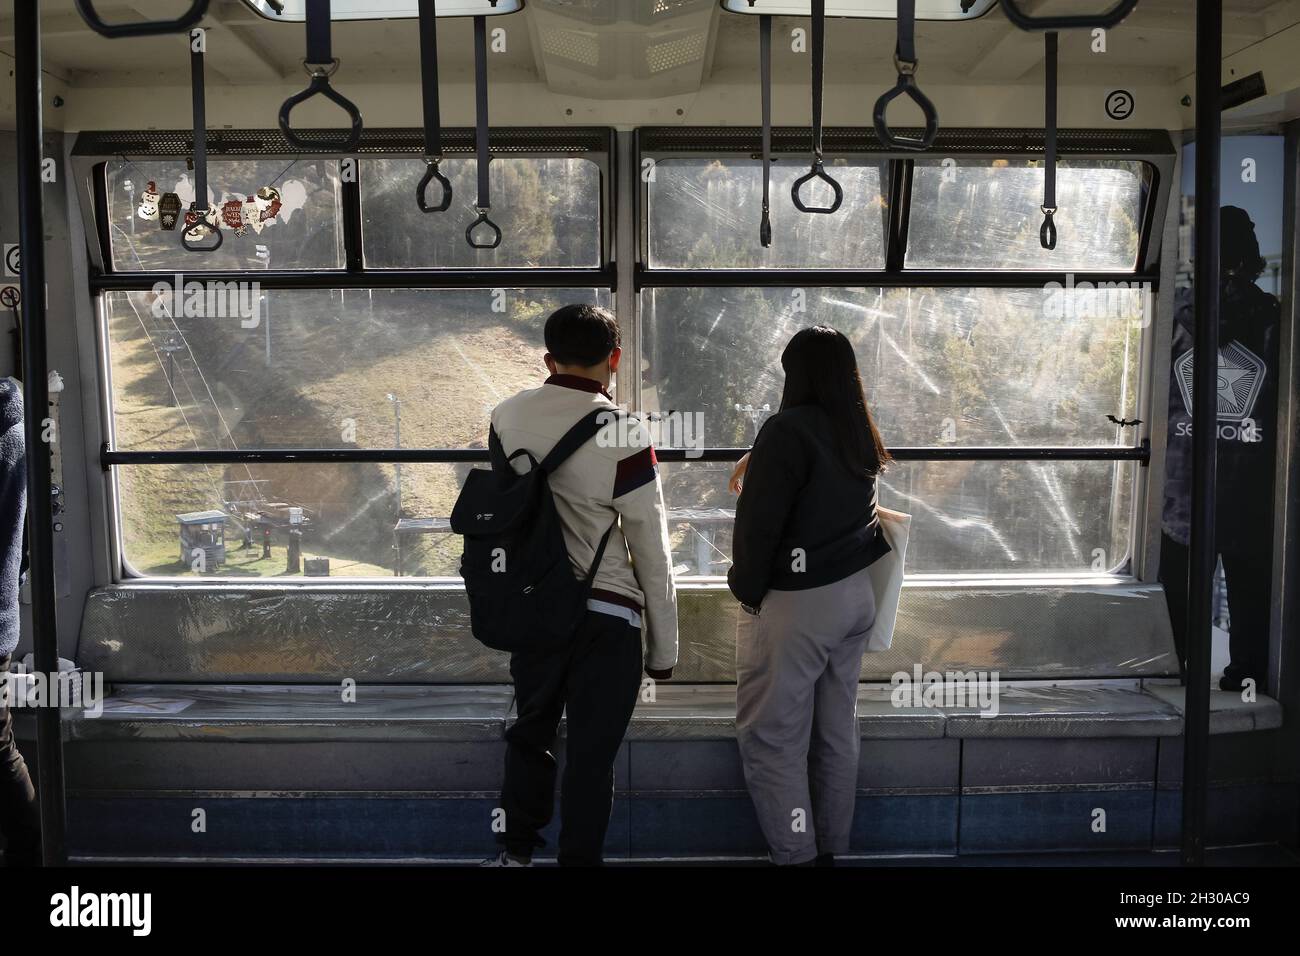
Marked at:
<point>705,214</point>
<point>349,514</point>
<point>323,368</point>
<point>548,209</point>
<point>969,517</point>
<point>967,367</point>
<point>302,232</point>
<point>981,215</point>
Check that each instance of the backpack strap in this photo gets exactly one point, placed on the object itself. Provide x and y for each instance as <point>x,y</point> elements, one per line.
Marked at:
<point>575,438</point>
<point>496,453</point>
<point>600,553</point>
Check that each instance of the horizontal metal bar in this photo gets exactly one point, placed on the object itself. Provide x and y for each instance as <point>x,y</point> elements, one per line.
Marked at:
<point>284,456</point>
<point>907,278</point>
<point>371,279</point>
<point>1102,144</point>
<point>379,141</point>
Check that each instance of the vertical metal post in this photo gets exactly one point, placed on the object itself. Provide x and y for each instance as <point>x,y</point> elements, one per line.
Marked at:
<point>31,240</point>
<point>1205,429</point>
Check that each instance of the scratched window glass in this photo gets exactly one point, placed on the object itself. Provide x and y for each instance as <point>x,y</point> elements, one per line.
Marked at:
<point>381,368</point>
<point>705,214</point>
<point>367,520</point>
<point>963,366</point>
<point>274,214</point>
<point>969,517</point>
<point>329,368</point>
<point>548,210</point>
<point>976,214</point>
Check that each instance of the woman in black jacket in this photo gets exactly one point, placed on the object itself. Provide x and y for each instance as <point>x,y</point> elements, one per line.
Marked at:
<point>806,530</point>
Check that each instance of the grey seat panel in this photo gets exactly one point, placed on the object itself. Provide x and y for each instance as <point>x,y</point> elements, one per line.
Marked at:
<point>308,634</point>
<point>322,634</point>
<point>1229,714</point>
<point>297,712</point>
<point>1069,711</point>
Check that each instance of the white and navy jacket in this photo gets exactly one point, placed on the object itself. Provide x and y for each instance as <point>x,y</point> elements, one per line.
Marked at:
<point>613,477</point>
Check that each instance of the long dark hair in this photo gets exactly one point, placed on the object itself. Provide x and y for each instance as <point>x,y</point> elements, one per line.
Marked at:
<point>821,369</point>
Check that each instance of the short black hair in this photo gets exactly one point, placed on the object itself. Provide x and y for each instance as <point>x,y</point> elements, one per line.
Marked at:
<point>582,335</point>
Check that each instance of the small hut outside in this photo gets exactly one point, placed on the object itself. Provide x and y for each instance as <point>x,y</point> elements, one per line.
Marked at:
<point>205,530</point>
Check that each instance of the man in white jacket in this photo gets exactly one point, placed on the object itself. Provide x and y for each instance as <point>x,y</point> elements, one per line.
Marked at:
<point>597,678</point>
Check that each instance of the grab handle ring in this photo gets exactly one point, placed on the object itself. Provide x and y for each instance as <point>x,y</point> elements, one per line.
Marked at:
<point>320,85</point>
<point>818,171</point>
<point>201,224</point>
<point>483,220</point>
<point>432,173</point>
<point>906,85</point>
<point>114,31</point>
<point>1081,21</point>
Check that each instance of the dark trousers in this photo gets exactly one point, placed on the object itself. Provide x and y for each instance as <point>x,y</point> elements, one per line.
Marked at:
<point>594,682</point>
<point>19,817</point>
<point>1247,571</point>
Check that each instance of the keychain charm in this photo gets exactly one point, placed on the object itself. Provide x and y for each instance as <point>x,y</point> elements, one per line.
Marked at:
<point>232,216</point>
<point>251,214</point>
<point>198,224</point>
<point>148,209</point>
<point>169,210</point>
<point>269,203</point>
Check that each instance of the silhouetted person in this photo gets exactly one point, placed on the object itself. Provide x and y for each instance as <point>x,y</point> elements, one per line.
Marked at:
<point>1249,326</point>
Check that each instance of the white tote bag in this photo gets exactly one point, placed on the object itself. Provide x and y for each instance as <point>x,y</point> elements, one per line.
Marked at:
<point>887,577</point>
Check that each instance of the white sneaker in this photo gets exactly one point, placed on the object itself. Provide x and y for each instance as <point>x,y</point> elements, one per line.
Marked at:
<point>505,859</point>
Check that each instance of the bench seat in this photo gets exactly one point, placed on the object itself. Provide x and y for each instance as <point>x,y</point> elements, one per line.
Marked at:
<point>468,712</point>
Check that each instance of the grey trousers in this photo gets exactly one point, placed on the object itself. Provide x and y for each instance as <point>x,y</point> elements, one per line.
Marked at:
<point>797,668</point>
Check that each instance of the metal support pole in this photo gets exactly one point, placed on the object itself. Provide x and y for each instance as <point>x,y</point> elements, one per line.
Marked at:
<point>1205,429</point>
<point>36,399</point>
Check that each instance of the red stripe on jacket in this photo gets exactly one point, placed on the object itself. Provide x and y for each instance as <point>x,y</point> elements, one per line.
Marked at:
<point>635,470</point>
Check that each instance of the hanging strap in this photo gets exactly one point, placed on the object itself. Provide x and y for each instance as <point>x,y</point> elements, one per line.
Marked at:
<point>582,432</point>
<point>198,9</point>
<point>818,170</point>
<point>320,65</point>
<point>765,73</point>
<point>1047,232</point>
<point>1083,21</point>
<point>432,114</point>
<point>200,207</point>
<point>483,204</point>
<point>905,63</point>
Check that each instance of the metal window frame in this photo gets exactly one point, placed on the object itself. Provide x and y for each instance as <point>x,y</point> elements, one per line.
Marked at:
<point>623,227</point>
<point>1153,148</point>
<point>93,150</point>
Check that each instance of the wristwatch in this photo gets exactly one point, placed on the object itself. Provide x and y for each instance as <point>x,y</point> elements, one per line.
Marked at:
<point>749,609</point>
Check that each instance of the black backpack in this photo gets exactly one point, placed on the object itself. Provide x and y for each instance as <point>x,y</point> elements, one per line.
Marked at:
<point>523,594</point>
